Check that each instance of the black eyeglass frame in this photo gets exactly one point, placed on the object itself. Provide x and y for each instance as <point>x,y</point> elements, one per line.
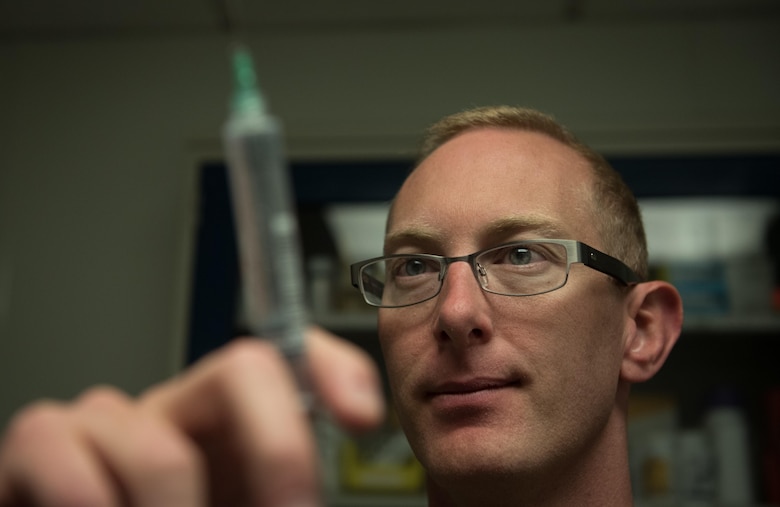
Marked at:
<point>576,252</point>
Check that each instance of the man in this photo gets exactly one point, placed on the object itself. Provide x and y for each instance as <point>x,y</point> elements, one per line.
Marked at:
<point>518,400</point>
<point>510,368</point>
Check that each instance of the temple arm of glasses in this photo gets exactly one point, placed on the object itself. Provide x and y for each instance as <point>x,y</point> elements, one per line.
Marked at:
<point>608,265</point>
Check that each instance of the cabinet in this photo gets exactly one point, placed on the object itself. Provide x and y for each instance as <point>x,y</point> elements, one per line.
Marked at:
<point>714,354</point>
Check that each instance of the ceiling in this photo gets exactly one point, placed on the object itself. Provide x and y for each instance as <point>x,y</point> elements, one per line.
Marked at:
<point>35,19</point>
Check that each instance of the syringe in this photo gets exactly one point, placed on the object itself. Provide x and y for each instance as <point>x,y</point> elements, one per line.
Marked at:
<point>266,224</point>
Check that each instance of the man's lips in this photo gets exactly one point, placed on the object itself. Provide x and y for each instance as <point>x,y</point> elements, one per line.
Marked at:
<point>471,386</point>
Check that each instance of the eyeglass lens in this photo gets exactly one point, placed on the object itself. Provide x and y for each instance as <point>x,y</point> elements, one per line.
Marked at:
<point>519,269</point>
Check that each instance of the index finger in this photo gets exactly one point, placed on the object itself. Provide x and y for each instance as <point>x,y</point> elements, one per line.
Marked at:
<point>242,407</point>
<point>345,379</point>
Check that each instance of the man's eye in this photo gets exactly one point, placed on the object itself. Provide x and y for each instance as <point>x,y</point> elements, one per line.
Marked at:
<point>413,267</point>
<point>517,255</point>
<point>520,256</point>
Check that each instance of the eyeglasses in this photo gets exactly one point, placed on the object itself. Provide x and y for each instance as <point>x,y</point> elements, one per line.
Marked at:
<point>520,268</point>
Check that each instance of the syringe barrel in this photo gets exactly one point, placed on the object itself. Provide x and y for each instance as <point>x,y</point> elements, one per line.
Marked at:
<point>267,231</point>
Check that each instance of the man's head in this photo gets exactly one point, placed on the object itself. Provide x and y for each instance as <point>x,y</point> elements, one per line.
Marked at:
<point>492,389</point>
<point>614,207</point>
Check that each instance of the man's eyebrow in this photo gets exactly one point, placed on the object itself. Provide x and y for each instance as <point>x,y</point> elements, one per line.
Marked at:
<point>539,225</point>
<point>501,229</point>
<point>417,235</point>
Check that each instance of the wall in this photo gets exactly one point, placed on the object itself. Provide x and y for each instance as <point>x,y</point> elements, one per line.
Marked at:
<point>99,141</point>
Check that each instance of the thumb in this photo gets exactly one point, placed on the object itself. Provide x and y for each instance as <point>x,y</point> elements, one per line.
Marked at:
<point>346,380</point>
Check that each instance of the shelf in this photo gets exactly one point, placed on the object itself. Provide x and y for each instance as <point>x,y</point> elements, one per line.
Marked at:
<point>347,500</point>
<point>673,503</point>
<point>721,324</point>
<point>421,501</point>
<point>716,324</point>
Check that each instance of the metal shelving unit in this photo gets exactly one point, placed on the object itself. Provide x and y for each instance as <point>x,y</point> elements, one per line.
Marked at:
<point>347,500</point>
<point>717,324</point>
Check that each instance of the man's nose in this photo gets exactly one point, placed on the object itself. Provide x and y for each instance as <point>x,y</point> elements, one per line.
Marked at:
<point>462,307</point>
<point>459,275</point>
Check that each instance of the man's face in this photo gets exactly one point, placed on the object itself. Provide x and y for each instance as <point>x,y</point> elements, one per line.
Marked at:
<point>486,384</point>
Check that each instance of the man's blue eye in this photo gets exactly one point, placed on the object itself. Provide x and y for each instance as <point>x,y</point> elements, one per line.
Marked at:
<point>520,256</point>
<point>414,267</point>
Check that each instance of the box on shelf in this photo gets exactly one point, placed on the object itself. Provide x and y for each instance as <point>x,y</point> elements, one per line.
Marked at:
<point>713,250</point>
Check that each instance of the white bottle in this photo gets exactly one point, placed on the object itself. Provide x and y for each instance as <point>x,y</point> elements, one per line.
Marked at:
<point>695,469</point>
<point>726,425</point>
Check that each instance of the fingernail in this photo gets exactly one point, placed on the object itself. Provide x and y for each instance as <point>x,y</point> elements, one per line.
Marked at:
<point>301,500</point>
<point>367,399</point>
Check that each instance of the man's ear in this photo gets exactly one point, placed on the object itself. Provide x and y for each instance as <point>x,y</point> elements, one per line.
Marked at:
<point>655,313</point>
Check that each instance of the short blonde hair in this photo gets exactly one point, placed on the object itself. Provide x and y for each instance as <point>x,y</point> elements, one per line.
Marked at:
<point>613,205</point>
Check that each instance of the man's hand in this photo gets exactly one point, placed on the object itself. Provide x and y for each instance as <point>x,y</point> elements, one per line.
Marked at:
<point>231,431</point>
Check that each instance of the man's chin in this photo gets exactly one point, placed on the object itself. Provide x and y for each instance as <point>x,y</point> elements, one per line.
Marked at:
<point>465,454</point>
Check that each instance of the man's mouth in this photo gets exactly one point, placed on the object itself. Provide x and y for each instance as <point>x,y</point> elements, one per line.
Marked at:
<point>471,386</point>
